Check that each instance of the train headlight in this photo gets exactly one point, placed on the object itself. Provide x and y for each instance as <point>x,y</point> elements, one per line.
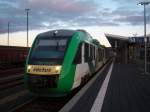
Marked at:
<point>29,68</point>
<point>58,68</point>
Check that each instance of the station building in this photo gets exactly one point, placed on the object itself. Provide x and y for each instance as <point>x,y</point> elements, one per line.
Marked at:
<point>129,49</point>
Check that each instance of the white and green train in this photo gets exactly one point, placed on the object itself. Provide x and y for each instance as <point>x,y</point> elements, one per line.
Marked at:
<point>61,60</point>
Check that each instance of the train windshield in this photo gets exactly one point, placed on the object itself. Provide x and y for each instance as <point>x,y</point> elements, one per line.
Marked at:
<point>49,50</point>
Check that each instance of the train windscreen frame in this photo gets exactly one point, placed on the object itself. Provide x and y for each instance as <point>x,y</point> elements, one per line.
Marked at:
<point>49,50</point>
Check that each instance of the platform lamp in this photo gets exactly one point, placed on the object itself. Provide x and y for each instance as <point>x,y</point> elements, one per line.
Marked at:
<point>27,10</point>
<point>145,37</point>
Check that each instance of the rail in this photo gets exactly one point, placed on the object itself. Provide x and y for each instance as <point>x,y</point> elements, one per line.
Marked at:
<point>11,78</point>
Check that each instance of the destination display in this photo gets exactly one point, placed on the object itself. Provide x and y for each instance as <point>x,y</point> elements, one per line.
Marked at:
<point>139,39</point>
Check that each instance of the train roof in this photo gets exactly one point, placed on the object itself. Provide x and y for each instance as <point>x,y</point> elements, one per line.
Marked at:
<point>65,33</point>
<point>57,33</point>
<point>61,32</point>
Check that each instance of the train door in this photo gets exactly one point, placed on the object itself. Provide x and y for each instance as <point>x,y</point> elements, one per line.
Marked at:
<point>82,68</point>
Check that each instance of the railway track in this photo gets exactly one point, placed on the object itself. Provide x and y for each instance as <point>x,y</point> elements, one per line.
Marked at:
<point>44,104</point>
<point>10,72</point>
<point>11,78</point>
<point>22,101</point>
<point>11,83</point>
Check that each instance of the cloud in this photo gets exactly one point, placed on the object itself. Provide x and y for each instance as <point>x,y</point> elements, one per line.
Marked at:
<point>93,21</point>
<point>130,16</point>
<point>125,1</point>
<point>67,13</point>
<point>124,11</point>
<point>63,6</point>
<point>133,20</point>
<point>52,11</point>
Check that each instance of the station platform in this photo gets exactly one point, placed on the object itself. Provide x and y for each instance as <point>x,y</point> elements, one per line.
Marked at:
<point>128,90</point>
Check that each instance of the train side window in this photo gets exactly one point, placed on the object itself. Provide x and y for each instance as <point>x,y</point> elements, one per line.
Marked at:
<point>86,52</point>
<point>91,52</point>
<point>78,57</point>
<point>100,54</point>
<point>94,52</point>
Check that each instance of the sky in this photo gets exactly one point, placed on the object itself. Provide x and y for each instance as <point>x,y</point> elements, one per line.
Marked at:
<point>98,17</point>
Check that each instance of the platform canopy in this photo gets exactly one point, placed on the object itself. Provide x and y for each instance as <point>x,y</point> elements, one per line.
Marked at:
<point>116,40</point>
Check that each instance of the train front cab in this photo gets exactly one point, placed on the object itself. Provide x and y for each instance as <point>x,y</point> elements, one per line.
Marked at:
<point>45,64</point>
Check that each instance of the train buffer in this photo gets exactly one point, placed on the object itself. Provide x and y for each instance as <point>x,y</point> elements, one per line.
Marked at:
<point>116,88</point>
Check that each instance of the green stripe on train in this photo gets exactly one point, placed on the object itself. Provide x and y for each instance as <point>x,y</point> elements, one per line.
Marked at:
<point>66,79</point>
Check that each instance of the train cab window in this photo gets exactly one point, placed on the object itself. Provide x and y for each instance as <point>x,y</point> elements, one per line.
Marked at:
<point>78,57</point>
<point>58,45</point>
<point>49,49</point>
